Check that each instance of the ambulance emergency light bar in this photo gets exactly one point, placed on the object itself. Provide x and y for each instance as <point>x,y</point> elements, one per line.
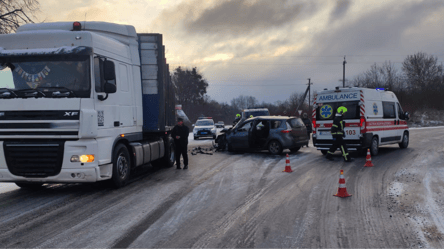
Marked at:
<point>380,89</point>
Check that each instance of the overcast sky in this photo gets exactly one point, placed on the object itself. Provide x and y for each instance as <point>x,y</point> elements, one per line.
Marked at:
<point>268,48</point>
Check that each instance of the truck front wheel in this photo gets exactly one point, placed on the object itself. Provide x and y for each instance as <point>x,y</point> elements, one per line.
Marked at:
<point>121,166</point>
<point>28,185</point>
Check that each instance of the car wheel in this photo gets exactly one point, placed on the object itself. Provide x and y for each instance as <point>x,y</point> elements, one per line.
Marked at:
<point>274,147</point>
<point>374,147</point>
<point>29,185</point>
<point>121,166</point>
<point>324,152</point>
<point>295,149</point>
<point>230,148</point>
<point>405,141</point>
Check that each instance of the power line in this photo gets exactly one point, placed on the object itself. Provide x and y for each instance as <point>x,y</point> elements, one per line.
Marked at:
<point>293,64</point>
<point>271,80</point>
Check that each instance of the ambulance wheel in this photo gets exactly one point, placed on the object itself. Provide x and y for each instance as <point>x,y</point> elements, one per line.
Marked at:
<point>405,141</point>
<point>374,147</point>
<point>324,152</point>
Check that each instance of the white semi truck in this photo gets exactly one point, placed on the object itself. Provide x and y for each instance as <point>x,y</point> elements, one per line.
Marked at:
<point>85,102</point>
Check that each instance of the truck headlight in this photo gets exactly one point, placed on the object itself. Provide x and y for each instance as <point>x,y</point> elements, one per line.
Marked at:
<point>82,159</point>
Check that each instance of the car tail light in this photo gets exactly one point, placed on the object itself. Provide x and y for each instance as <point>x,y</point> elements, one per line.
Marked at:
<point>286,131</point>
<point>363,126</point>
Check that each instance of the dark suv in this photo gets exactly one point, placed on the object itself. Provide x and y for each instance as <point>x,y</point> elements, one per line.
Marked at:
<point>272,133</point>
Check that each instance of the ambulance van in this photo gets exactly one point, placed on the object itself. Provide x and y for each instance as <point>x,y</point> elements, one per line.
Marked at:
<point>374,118</point>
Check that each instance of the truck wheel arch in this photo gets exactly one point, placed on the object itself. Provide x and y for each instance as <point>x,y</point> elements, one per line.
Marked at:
<point>124,141</point>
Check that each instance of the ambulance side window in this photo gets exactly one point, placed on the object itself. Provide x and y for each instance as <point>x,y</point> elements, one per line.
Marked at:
<point>400,112</point>
<point>389,109</point>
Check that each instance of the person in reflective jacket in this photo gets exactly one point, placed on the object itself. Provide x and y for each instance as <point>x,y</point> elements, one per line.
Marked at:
<point>337,131</point>
<point>237,119</point>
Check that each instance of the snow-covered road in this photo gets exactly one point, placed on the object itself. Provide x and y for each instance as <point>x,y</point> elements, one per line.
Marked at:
<point>244,200</point>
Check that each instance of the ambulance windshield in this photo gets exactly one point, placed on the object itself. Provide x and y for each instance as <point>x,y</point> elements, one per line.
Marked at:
<point>327,111</point>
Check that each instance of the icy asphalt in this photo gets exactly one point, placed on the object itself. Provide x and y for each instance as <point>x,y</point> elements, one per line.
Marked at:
<point>244,200</point>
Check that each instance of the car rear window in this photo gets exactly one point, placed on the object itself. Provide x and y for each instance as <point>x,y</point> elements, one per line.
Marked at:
<point>296,122</point>
<point>275,124</point>
<point>327,111</point>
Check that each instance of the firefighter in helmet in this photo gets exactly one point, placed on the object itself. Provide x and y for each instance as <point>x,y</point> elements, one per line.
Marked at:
<point>337,131</point>
<point>237,119</point>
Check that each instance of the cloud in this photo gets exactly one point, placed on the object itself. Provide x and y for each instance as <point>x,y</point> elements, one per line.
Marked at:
<point>240,18</point>
<point>232,18</point>
<point>340,10</point>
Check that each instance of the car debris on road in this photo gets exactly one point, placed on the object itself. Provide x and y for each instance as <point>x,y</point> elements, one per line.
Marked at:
<point>199,150</point>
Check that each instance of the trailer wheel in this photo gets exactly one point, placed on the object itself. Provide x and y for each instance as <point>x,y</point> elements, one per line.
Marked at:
<point>29,185</point>
<point>121,166</point>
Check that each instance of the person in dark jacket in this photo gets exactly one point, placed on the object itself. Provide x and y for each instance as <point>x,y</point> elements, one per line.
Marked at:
<point>337,131</point>
<point>307,123</point>
<point>180,135</point>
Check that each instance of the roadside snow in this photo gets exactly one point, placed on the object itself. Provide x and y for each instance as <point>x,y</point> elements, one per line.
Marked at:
<point>6,187</point>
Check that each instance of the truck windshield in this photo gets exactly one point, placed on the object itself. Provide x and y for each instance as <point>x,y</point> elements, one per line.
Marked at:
<point>256,113</point>
<point>48,74</point>
<point>327,111</point>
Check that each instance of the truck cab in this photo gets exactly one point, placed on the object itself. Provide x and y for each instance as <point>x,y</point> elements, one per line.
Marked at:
<point>82,101</point>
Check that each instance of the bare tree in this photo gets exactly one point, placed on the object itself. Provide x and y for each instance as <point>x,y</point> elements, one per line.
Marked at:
<point>243,102</point>
<point>422,71</point>
<point>14,13</point>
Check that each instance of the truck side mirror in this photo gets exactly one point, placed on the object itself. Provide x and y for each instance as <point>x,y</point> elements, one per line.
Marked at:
<point>109,71</point>
<point>110,88</point>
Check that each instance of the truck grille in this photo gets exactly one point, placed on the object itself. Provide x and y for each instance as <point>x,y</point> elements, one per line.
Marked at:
<point>34,159</point>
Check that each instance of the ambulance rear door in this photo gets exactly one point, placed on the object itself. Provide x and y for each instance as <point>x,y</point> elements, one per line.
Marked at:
<point>325,114</point>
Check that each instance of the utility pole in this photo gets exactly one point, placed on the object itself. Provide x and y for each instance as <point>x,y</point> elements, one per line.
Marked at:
<point>343,73</point>
<point>309,92</point>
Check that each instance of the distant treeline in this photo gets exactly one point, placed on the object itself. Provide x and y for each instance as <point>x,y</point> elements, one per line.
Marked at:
<point>191,91</point>
<point>418,85</point>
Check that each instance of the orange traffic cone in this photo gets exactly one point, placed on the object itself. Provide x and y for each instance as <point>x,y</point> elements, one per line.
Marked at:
<point>368,159</point>
<point>287,165</point>
<point>342,190</point>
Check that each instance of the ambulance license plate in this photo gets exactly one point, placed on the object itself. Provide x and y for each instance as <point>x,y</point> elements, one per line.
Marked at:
<point>324,133</point>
